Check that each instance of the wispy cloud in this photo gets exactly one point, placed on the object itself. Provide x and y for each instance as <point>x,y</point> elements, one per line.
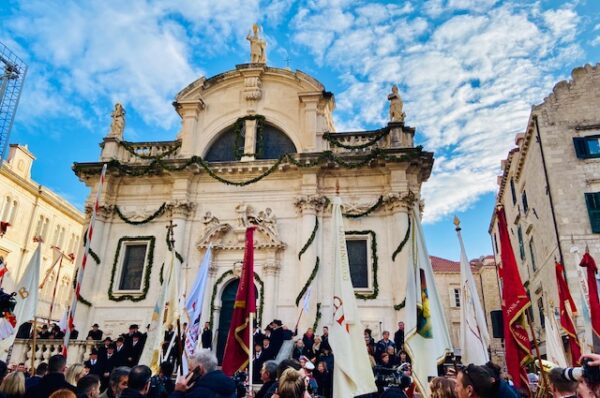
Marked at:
<point>468,79</point>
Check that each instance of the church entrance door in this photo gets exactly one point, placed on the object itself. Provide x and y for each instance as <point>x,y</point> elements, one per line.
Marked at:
<point>227,300</point>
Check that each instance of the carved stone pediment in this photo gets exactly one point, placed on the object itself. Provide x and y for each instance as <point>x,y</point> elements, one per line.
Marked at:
<point>226,237</point>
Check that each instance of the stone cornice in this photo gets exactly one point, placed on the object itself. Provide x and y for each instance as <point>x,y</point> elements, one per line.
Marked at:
<point>44,194</point>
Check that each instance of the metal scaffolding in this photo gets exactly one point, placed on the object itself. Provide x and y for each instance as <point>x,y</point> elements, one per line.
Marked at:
<point>11,83</point>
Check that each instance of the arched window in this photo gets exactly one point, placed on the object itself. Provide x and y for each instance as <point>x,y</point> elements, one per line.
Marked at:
<point>6,209</point>
<point>270,144</point>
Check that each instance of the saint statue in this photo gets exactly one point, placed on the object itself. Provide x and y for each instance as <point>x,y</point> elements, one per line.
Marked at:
<point>396,114</point>
<point>258,47</point>
<point>118,121</point>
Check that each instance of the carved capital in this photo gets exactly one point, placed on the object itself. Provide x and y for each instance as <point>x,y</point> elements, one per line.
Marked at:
<point>271,268</point>
<point>311,203</point>
<point>181,208</point>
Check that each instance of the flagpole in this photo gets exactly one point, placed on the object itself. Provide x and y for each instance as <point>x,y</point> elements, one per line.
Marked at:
<point>250,349</point>
<point>55,286</point>
<point>299,316</point>
<point>33,343</point>
<point>544,388</point>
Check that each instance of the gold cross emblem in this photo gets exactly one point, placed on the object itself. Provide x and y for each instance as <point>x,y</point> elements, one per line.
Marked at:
<point>23,293</point>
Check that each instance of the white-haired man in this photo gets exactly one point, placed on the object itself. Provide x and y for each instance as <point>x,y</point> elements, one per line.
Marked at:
<point>204,379</point>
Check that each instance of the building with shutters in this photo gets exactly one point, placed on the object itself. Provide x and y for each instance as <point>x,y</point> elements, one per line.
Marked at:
<point>33,210</point>
<point>257,146</point>
<point>550,189</point>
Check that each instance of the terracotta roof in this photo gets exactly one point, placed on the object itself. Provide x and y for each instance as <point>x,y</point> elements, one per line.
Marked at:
<point>439,264</point>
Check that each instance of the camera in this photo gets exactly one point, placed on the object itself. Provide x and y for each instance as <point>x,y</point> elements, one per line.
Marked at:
<point>240,379</point>
<point>7,302</point>
<point>591,374</point>
<point>391,377</point>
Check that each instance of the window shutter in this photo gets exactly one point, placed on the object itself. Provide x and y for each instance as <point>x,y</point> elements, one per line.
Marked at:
<point>592,200</point>
<point>581,149</point>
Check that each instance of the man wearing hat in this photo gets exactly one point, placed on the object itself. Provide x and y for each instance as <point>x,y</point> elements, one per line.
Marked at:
<point>95,333</point>
<point>44,333</point>
<point>104,348</point>
<point>134,351</point>
<point>129,336</point>
<point>120,352</point>
<point>93,364</point>
<point>108,363</point>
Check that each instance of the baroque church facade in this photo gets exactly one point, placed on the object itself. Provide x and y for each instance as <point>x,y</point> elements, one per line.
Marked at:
<point>257,146</point>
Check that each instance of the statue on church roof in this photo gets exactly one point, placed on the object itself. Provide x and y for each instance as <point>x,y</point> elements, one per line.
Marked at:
<point>258,47</point>
<point>118,121</point>
<point>396,104</point>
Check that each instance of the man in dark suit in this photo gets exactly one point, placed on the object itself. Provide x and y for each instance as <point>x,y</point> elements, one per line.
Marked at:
<point>53,381</point>
<point>93,364</point>
<point>40,372</point>
<point>120,352</point>
<point>102,350</point>
<point>95,333</point>
<point>129,336</point>
<point>134,351</point>
<point>107,363</point>
<point>207,336</point>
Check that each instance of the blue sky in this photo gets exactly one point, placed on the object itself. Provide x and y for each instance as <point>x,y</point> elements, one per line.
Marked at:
<point>468,70</point>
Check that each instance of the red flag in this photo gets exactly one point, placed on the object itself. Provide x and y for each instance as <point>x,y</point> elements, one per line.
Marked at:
<point>237,348</point>
<point>514,304</point>
<point>564,296</point>
<point>588,262</point>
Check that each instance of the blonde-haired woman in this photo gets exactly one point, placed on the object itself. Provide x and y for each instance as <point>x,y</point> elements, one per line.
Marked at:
<point>75,372</point>
<point>13,385</point>
<point>442,387</point>
<point>292,384</point>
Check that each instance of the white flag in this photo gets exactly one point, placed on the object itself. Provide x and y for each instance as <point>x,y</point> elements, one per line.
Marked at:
<point>195,302</point>
<point>153,348</point>
<point>554,345</point>
<point>27,296</point>
<point>474,336</point>
<point>427,337</point>
<point>63,323</point>
<point>306,299</point>
<point>352,374</point>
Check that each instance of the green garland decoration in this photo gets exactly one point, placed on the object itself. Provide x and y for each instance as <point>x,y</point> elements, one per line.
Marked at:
<point>80,298</point>
<point>308,282</point>
<point>375,265</point>
<point>90,251</point>
<point>398,307</point>
<point>161,278</point>
<point>239,141</point>
<point>156,214</point>
<point>157,166</point>
<point>317,317</point>
<point>220,280</point>
<point>333,140</point>
<point>368,211</point>
<point>310,238</point>
<point>128,147</point>
<point>403,243</point>
<point>170,247</point>
<point>129,297</point>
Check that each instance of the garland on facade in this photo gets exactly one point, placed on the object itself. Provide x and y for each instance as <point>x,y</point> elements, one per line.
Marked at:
<point>146,220</point>
<point>334,140</point>
<point>398,307</point>
<point>239,140</point>
<point>80,298</point>
<point>317,317</point>
<point>90,251</point>
<point>111,296</point>
<point>312,276</point>
<point>311,238</point>
<point>129,148</point>
<point>261,292</point>
<point>368,211</point>
<point>157,166</point>
<point>375,293</point>
<point>403,243</point>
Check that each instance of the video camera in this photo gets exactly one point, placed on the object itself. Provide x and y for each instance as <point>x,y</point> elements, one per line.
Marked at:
<point>591,374</point>
<point>391,377</point>
<point>240,379</point>
<point>7,302</point>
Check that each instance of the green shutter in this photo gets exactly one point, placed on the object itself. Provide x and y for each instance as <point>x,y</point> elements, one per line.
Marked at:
<point>592,200</point>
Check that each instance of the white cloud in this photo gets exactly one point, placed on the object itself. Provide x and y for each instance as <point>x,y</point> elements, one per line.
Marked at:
<point>468,81</point>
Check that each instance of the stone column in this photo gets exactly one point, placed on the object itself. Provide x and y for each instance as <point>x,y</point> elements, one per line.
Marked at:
<point>309,130</point>
<point>270,270</point>
<point>190,116</point>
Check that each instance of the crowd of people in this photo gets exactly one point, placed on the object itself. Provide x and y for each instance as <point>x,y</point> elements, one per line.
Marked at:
<point>285,365</point>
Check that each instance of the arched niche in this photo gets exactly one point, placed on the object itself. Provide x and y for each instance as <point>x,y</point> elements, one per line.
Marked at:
<point>271,143</point>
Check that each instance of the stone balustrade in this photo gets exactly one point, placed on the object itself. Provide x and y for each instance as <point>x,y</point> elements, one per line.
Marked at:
<point>22,350</point>
<point>356,139</point>
<point>162,149</point>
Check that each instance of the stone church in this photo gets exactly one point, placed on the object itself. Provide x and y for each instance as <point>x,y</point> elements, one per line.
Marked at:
<point>257,146</point>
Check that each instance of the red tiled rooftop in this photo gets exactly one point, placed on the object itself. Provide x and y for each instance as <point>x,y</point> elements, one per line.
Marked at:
<point>439,264</point>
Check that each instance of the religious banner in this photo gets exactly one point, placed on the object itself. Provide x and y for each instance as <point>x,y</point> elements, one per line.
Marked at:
<point>566,322</point>
<point>588,262</point>
<point>514,304</point>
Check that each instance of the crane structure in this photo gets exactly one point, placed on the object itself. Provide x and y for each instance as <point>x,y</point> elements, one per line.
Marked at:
<point>12,75</point>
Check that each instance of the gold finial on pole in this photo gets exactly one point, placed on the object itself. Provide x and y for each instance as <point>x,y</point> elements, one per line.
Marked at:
<point>456,223</point>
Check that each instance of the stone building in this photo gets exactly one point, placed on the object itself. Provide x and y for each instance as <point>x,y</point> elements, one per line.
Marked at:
<point>448,282</point>
<point>550,190</point>
<point>33,210</point>
<point>257,146</point>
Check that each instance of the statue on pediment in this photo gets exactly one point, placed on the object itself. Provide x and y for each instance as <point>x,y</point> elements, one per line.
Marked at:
<point>258,47</point>
<point>267,220</point>
<point>117,126</point>
<point>396,105</point>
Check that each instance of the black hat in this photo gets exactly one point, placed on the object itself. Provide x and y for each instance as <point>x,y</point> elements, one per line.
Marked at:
<point>134,326</point>
<point>44,326</point>
<point>95,325</point>
<point>277,322</point>
<point>107,339</point>
<point>137,334</point>
<point>94,352</point>
<point>111,346</point>
<point>121,339</point>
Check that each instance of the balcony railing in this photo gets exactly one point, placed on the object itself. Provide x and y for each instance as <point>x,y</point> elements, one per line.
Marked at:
<point>21,351</point>
<point>142,152</point>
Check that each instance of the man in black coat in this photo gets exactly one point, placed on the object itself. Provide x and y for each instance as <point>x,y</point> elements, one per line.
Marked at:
<point>134,351</point>
<point>53,381</point>
<point>138,384</point>
<point>205,380</point>
<point>120,352</point>
<point>95,333</point>
<point>107,363</point>
<point>399,336</point>
<point>207,336</point>
<point>277,336</point>
<point>93,364</point>
<point>40,372</point>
